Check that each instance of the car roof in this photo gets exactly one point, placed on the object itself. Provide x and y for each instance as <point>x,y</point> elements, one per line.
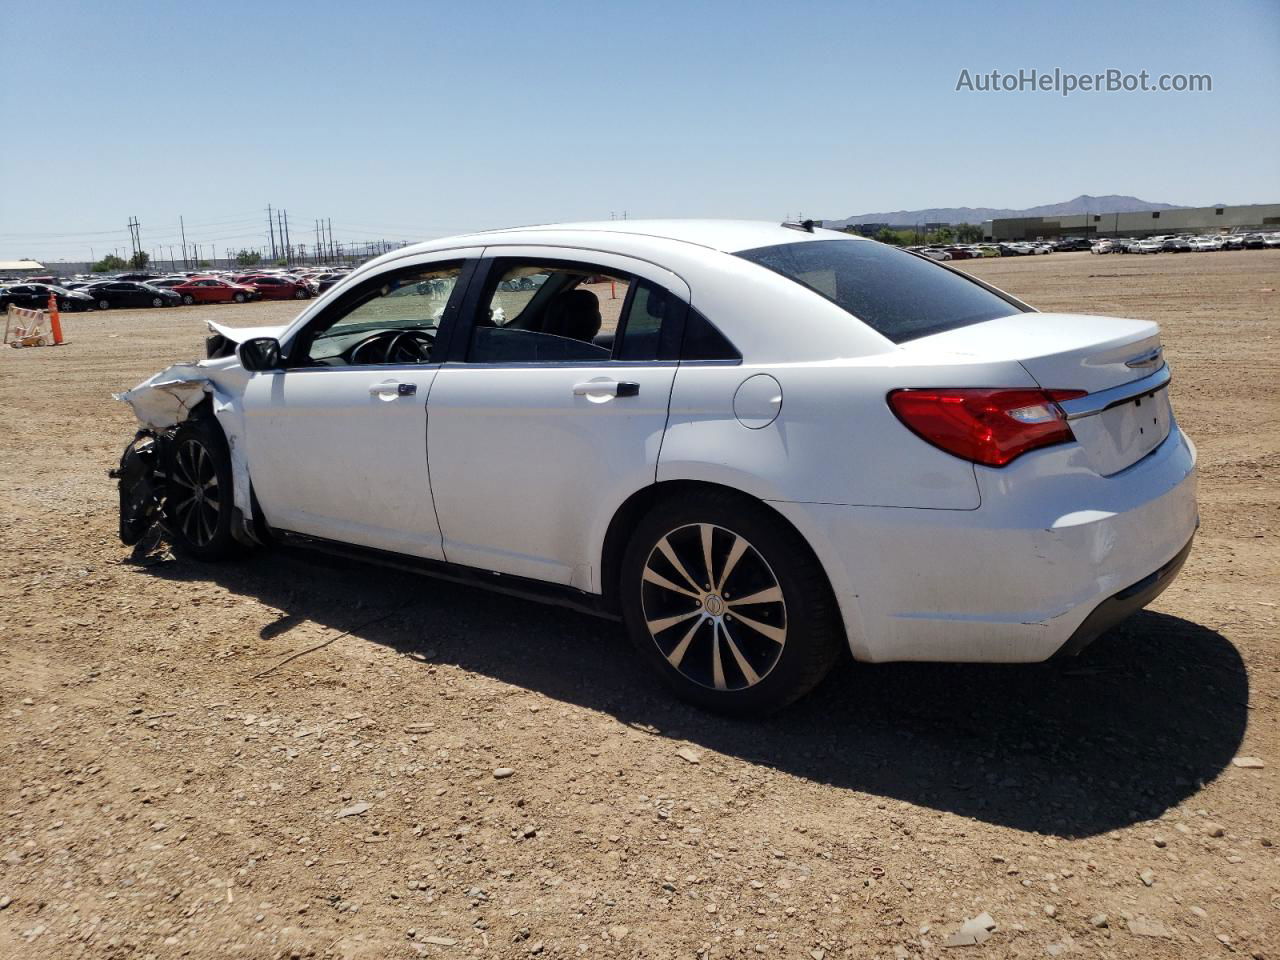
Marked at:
<point>727,236</point>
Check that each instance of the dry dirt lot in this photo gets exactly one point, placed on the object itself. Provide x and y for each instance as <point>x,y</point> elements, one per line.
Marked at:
<point>163,798</point>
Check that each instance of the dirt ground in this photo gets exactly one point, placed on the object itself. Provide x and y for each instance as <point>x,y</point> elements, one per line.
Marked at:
<point>167,793</point>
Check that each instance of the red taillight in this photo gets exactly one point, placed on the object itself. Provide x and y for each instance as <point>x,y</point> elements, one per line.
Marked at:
<point>986,426</point>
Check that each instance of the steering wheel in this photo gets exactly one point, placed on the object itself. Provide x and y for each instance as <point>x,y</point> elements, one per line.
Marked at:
<point>407,346</point>
<point>410,346</point>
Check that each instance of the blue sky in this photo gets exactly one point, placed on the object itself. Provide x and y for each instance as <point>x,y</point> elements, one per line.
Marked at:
<point>407,120</point>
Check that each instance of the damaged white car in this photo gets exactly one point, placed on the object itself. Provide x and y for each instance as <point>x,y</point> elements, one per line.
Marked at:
<point>760,445</point>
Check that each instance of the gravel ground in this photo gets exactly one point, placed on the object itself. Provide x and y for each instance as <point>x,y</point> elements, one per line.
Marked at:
<point>463,774</point>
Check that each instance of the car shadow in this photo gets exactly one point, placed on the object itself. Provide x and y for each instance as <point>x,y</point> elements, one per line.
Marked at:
<point>1071,748</point>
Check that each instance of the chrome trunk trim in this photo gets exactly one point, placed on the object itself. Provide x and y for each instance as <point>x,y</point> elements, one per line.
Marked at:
<point>1093,403</point>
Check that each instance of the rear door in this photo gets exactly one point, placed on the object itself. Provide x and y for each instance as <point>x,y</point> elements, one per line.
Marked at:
<point>552,408</point>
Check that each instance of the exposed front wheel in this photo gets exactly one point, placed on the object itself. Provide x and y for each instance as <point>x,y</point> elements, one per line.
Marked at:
<point>728,603</point>
<point>188,299</point>
<point>239,298</point>
<point>198,502</point>
<point>104,304</point>
<point>157,301</point>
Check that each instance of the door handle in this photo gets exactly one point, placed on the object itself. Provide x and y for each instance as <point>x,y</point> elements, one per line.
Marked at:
<point>610,388</point>
<point>388,390</point>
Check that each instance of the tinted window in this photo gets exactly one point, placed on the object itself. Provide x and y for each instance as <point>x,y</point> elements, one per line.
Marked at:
<point>535,312</point>
<point>572,312</point>
<point>651,307</point>
<point>702,341</point>
<point>898,295</point>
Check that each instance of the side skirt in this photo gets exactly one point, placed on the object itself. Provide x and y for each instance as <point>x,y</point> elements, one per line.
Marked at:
<point>522,587</point>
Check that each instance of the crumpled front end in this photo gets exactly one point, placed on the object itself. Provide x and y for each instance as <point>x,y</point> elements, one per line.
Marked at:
<point>162,403</point>
<point>166,399</point>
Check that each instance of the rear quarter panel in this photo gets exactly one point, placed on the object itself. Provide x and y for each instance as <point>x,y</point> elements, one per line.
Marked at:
<point>834,440</point>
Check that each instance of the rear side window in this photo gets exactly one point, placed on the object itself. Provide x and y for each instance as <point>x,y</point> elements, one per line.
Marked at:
<point>900,296</point>
<point>572,312</point>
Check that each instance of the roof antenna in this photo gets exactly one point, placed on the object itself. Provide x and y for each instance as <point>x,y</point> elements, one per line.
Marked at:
<point>806,225</point>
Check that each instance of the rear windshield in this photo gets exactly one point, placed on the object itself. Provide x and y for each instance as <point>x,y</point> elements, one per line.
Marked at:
<point>900,296</point>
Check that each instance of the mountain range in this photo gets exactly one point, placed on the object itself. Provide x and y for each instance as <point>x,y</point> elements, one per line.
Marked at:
<point>1111,203</point>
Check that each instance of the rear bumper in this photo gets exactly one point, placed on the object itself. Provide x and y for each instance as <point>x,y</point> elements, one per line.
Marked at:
<point>1053,557</point>
<point>1123,605</point>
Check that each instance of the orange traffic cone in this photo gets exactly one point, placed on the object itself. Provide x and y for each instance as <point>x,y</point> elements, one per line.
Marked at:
<point>55,321</point>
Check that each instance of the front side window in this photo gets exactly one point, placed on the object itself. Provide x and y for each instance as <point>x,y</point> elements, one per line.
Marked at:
<point>900,296</point>
<point>537,312</point>
<point>389,319</point>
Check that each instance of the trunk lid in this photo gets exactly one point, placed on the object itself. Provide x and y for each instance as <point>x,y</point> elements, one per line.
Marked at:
<point>1062,351</point>
<point>1079,352</point>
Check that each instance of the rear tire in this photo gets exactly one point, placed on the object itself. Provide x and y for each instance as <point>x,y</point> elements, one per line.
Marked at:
<point>755,632</point>
<point>198,503</point>
<point>104,304</point>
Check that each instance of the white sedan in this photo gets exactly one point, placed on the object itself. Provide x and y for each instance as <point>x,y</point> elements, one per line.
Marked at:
<point>762,446</point>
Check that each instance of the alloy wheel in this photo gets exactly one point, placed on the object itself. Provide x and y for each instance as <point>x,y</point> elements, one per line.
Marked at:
<point>197,503</point>
<point>714,607</point>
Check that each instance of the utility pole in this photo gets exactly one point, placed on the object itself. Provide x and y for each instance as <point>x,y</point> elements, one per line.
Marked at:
<point>288,247</point>
<point>331,253</point>
<point>135,239</point>
<point>182,227</point>
<point>271,228</point>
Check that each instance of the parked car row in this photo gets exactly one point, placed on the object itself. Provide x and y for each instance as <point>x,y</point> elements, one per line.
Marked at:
<point>972,251</point>
<point>1187,244</point>
<point>100,295</point>
<point>149,290</point>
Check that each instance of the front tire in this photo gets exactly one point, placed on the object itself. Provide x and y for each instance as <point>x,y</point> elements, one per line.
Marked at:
<point>727,602</point>
<point>239,298</point>
<point>198,501</point>
<point>104,304</point>
<point>157,301</point>
<point>188,299</point>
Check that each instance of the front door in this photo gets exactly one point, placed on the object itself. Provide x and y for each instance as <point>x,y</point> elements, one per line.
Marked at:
<point>551,410</point>
<point>337,442</point>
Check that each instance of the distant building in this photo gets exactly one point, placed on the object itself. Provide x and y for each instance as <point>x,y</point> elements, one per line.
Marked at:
<point>19,267</point>
<point>1139,223</point>
<point>867,229</point>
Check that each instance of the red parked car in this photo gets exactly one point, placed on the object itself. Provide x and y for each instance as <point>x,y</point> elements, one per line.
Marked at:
<point>280,288</point>
<point>213,290</point>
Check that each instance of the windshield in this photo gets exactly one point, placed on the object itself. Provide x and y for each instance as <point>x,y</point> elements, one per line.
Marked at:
<point>900,296</point>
